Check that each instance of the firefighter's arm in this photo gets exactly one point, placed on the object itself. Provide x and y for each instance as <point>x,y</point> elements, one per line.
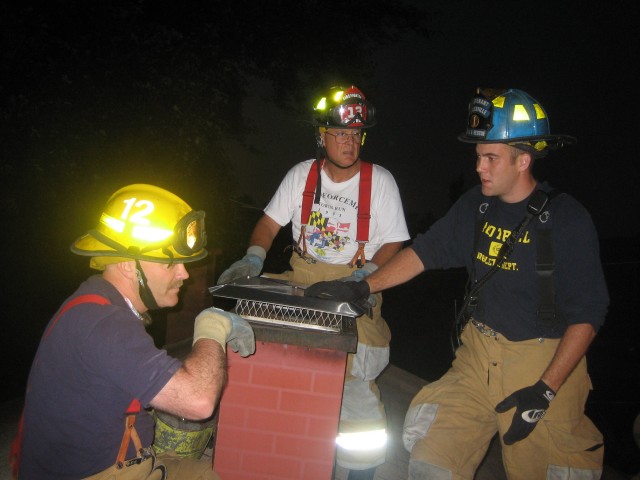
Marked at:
<point>251,264</point>
<point>264,232</point>
<point>573,346</point>
<point>195,389</point>
<point>400,268</point>
<point>386,252</point>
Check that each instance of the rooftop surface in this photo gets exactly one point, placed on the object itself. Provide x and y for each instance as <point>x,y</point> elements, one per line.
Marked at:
<point>397,388</point>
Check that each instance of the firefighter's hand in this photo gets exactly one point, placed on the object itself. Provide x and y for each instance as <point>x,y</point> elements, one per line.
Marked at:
<point>225,327</point>
<point>358,275</point>
<point>531,404</point>
<point>248,266</point>
<point>339,291</point>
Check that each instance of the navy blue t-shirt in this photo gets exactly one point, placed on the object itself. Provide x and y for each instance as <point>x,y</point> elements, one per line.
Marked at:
<point>509,301</point>
<point>88,368</point>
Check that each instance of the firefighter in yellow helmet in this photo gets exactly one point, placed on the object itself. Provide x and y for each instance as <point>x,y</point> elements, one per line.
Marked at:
<point>347,220</point>
<point>97,372</point>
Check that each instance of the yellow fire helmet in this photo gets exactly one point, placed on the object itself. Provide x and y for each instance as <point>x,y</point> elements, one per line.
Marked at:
<point>145,222</point>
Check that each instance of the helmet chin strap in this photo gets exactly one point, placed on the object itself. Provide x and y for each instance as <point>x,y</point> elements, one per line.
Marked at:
<point>145,292</point>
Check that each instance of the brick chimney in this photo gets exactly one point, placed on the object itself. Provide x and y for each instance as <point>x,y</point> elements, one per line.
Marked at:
<point>279,413</point>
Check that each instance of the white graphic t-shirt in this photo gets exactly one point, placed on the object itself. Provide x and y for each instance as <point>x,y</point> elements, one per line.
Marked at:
<point>332,227</point>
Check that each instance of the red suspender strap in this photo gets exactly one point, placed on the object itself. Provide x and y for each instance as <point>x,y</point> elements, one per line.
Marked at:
<point>99,299</point>
<point>364,208</point>
<point>309,192</point>
<point>364,198</point>
<point>16,445</point>
<point>307,203</point>
<point>134,406</point>
<point>364,202</point>
<point>364,213</point>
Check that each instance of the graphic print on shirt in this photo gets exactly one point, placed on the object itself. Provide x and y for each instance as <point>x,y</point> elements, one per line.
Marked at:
<point>326,229</point>
<point>492,239</point>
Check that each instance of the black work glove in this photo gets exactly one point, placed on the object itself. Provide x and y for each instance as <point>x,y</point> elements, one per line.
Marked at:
<point>341,291</point>
<point>531,404</point>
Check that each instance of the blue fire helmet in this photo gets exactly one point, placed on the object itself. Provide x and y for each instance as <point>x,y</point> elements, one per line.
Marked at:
<point>512,117</point>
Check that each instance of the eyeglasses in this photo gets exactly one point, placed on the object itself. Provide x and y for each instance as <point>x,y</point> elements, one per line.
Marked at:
<point>343,137</point>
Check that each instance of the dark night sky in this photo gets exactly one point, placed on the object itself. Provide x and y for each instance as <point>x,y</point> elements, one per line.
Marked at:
<point>576,61</point>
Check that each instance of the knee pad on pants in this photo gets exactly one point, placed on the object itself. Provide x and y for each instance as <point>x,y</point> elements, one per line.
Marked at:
<point>426,471</point>
<point>417,422</point>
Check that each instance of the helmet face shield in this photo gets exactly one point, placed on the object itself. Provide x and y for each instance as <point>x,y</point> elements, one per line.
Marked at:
<point>190,235</point>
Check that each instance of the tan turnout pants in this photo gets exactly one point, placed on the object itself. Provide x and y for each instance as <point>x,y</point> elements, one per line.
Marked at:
<point>166,466</point>
<point>451,421</point>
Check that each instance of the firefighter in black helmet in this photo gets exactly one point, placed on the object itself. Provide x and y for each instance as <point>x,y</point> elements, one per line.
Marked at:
<point>347,220</point>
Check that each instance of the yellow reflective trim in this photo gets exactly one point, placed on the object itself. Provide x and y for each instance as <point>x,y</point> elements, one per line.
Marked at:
<point>539,111</point>
<point>540,145</point>
<point>112,223</point>
<point>338,96</point>
<point>520,114</point>
<point>499,101</point>
<point>322,104</point>
<point>150,234</point>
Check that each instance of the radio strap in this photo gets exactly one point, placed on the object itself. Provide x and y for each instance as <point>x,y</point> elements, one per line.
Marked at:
<point>537,205</point>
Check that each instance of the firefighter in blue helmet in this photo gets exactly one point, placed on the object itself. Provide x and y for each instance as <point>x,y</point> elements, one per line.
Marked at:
<point>512,117</point>
<point>535,300</point>
<point>324,198</point>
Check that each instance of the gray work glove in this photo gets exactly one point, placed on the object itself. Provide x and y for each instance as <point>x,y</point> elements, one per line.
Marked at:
<point>225,327</point>
<point>248,266</point>
<point>358,275</point>
<point>531,404</point>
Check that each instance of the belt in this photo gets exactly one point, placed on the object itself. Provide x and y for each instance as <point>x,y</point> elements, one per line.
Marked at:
<point>483,329</point>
